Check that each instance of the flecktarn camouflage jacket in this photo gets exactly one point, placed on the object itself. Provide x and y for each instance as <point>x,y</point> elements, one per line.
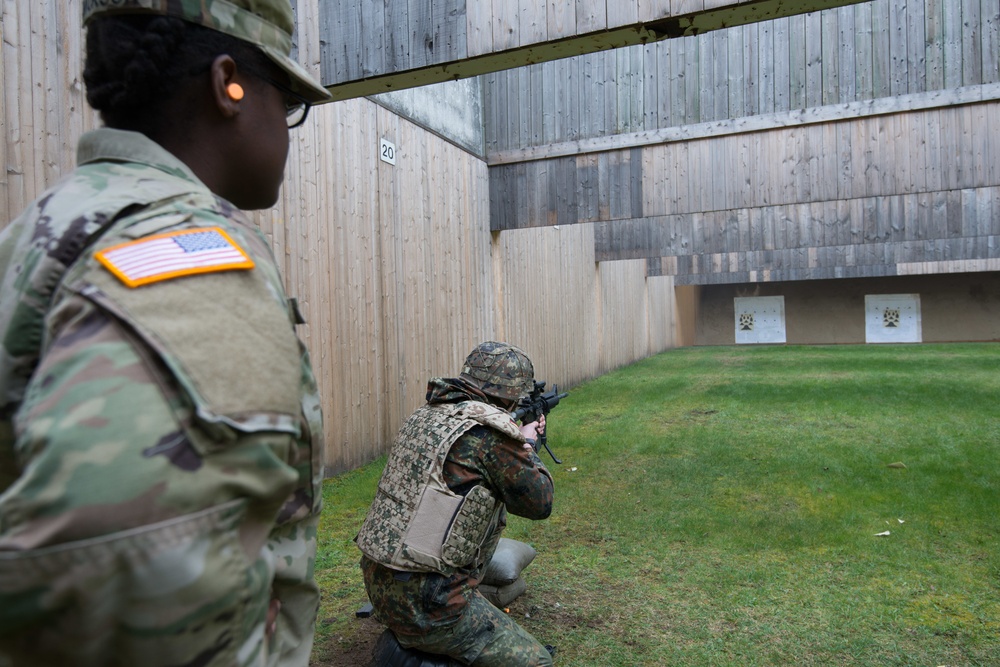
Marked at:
<point>481,458</point>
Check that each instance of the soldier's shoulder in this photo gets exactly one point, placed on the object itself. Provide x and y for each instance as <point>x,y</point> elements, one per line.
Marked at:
<point>488,415</point>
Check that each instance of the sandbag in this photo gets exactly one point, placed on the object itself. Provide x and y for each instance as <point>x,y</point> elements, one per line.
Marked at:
<point>501,596</point>
<point>509,559</point>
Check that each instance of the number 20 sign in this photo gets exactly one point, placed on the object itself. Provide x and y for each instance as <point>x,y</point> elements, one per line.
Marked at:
<point>387,151</point>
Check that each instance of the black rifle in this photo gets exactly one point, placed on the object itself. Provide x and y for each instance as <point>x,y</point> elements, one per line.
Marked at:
<point>539,402</point>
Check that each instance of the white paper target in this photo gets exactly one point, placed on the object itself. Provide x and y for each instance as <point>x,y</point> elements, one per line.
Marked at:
<point>892,318</point>
<point>760,319</point>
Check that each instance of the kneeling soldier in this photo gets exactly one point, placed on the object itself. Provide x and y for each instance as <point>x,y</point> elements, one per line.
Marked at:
<point>458,465</point>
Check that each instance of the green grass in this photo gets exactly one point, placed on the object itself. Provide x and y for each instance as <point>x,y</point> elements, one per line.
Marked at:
<point>724,509</point>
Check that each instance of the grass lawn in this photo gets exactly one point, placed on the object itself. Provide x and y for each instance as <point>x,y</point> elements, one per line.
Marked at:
<point>722,506</point>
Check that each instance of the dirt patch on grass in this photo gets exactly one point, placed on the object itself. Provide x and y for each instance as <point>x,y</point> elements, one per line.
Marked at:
<point>353,651</point>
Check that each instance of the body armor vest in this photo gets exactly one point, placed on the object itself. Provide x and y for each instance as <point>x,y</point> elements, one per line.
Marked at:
<point>416,523</point>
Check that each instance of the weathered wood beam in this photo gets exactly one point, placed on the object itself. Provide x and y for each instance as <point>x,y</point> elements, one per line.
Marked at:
<point>761,123</point>
<point>951,231</point>
<point>447,46</point>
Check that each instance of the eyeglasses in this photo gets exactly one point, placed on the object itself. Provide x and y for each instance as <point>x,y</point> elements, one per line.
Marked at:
<point>297,109</point>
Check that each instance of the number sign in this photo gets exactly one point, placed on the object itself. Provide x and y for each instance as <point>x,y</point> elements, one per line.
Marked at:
<point>387,151</point>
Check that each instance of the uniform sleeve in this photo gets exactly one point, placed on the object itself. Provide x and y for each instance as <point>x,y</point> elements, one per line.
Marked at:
<point>106,443</point>
<point>160,556</point>
<point>515,475</point>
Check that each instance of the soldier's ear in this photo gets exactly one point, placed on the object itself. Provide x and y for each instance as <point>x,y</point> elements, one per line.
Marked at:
<point>223,76</point>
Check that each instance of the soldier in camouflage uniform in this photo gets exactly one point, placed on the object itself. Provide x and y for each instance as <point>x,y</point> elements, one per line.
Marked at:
<point>160,430</point>
<point>457,466</point>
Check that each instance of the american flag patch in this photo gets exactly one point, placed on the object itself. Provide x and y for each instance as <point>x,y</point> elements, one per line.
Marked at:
<point>166,256</point>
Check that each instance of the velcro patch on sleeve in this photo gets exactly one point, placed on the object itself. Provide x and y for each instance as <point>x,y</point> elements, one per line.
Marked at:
<point>165,256</point>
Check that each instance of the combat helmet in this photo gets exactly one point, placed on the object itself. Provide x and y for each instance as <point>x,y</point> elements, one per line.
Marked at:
<point>267,24</point>
<point>500,370</point>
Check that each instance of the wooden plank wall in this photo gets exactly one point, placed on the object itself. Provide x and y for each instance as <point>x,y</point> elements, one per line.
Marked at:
<point>849,198</point>
<point>938,149</point>
<point>395,267</point>
<point>837,56</point>
<point>854,142</point>
<point>578,319</point>
<point>43,108</point>
<point>392,264</point>
<point>548,281</point>
<point>372,47</point>
<point>662,306</point>
<point>940,232</point>
<point>623,298</point>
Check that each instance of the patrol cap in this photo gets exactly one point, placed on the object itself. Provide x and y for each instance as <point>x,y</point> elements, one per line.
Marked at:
<point>500,369</point>
<point>267,24</point>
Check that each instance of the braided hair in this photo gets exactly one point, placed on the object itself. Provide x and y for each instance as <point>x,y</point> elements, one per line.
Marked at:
<point>135,62</point>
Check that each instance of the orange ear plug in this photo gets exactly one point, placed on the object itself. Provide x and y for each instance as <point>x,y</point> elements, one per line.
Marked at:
<point>235,91</point>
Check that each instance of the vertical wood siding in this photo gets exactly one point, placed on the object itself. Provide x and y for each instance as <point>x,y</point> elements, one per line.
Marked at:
<point>847,54</point>
<point>855,197</point>
<point>851,142</point>
<point>663,314</point>
<point>578,319</point>
<point>848,159</point>
<point>370,46</point>
<point>391,263</point>
<point>44,108</point>
<point>624,313</point>
<point>395,267</point>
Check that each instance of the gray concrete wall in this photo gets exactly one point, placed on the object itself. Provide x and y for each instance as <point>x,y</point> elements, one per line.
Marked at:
<point>954,307</point>
<point>453,110</point>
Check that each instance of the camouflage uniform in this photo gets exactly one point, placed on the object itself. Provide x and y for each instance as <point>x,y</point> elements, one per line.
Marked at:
<point>267,24</point>
<point>444,613</point>
<point>160,445</point>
